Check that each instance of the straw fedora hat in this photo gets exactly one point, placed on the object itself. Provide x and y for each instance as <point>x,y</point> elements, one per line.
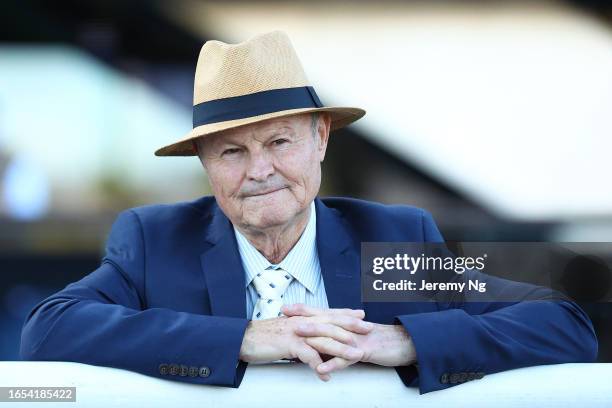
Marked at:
<point>258,79</point>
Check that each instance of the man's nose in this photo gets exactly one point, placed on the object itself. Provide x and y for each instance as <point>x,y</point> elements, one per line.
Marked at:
<point>260,166</point>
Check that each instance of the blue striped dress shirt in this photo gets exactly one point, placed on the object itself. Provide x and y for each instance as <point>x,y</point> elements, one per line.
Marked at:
<point>302,262</point>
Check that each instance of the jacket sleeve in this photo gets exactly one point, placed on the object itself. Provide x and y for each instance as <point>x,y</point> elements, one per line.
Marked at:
<point>103,320</point>
<point>466,341</point>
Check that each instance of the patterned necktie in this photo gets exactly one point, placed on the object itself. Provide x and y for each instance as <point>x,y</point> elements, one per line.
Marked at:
<point>270,285</point>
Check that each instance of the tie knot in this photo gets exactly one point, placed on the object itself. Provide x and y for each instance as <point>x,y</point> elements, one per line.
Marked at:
<point>272,282</point>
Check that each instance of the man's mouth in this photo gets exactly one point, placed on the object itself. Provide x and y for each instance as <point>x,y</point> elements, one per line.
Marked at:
<point>266,192</point>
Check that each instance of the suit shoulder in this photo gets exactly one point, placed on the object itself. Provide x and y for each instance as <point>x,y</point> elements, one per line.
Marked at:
<point>372,221</point>
<point>356,208</point>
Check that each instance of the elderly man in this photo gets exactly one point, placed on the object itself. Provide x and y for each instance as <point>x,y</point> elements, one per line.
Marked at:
<point>266,271</point>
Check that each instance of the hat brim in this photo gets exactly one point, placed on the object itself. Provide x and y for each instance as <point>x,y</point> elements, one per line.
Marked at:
<point>340,117</point>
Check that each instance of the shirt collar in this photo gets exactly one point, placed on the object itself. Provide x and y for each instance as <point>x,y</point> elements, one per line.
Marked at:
<point>298,261</point>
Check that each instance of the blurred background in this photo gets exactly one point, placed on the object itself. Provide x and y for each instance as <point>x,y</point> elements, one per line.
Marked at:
<point>494,116</point>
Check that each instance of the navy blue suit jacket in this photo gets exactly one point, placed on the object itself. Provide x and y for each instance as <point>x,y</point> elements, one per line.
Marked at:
<point>169,295</point>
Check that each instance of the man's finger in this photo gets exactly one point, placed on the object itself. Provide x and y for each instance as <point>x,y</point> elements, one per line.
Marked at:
<point>326,330</point>
<point>309,355</point>
<point>325,345</point>
<point>300,309</point>
<point>342,359</point>
<point>334,364</point>
<point>349,323</point>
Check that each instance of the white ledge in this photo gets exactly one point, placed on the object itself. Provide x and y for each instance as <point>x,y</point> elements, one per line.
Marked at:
<point>294,385</point>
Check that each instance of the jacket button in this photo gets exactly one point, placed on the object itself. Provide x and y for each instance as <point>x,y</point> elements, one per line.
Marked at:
<point>174,369</point>
<point>163,369</point>
<point>463,377</point>
<point>204,371</point>
<point>184,370</point>
<point>454,378</point>
<point>479,375</point>
<point>193,371</point>
<point>444,378</point>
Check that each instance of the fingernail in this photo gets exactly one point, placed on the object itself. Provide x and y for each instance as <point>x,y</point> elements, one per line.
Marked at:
<point>367,325</point>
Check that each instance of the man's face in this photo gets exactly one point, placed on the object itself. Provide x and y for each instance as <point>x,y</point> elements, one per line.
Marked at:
<point>266,174</point>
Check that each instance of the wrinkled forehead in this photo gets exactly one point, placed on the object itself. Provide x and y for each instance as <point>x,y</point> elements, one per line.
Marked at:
<point>261,129</point>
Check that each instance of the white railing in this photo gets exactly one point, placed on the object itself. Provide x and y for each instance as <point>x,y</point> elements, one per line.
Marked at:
<point>294,385</point>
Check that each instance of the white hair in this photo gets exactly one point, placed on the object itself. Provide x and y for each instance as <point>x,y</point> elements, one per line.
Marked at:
<point>314,124</point>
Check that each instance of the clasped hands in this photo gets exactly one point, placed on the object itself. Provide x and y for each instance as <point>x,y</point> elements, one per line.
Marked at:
<point>327,340</point>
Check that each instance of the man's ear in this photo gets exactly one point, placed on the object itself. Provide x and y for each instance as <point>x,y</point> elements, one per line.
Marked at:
<point>323,128</point>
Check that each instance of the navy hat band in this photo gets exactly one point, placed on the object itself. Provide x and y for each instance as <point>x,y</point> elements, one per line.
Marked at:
<point>259,103</point>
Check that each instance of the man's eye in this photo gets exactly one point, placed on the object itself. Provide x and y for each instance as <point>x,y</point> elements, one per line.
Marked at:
<point>279,142</point>
<point>230,151</point>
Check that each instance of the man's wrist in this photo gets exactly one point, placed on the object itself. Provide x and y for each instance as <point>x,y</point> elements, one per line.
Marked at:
<point>246,349</point>
<point>389,345</point>
<point>406,346</point>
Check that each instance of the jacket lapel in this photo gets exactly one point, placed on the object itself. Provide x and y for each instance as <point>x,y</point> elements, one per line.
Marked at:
<point>223,270</point>
<point>339,259</point>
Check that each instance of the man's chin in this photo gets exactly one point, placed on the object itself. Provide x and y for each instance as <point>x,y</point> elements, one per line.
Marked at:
<point>269,215</point>
<point>265,221</point>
